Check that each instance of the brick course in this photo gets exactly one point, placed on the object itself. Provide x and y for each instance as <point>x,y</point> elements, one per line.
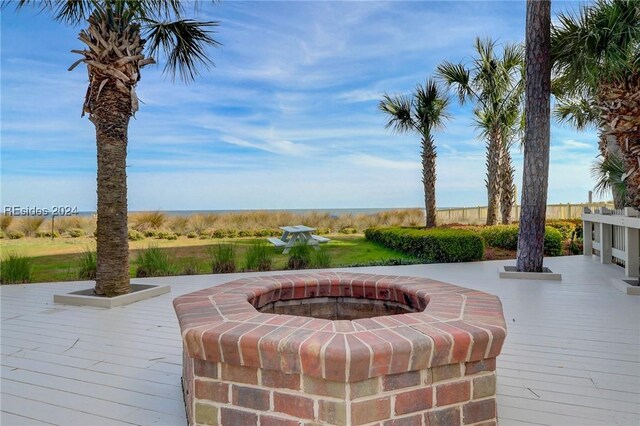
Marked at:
<point>241,366</point>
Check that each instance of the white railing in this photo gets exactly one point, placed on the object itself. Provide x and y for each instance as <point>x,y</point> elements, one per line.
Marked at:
<point>614,236</point>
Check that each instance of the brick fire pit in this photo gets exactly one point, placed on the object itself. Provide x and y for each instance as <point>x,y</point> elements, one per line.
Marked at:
<point>342,349</point>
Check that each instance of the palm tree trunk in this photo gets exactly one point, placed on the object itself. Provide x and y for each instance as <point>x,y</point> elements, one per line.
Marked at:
<point>507,188</point>
<point>493,178</point>
<point>620,103</point>
<point>536,146</point>
<point>429,180</point>
<point>110,114</point>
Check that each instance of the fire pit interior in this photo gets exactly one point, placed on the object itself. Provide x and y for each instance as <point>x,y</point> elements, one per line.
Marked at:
<point>340,349</point>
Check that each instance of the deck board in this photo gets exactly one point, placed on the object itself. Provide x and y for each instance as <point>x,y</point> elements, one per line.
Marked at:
<point>571,357</point>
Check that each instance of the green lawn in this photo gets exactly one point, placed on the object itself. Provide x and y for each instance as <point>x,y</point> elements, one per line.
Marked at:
<point>57,260</point>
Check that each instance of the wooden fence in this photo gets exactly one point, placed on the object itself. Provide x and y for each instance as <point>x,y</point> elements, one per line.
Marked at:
<point>478,215</point>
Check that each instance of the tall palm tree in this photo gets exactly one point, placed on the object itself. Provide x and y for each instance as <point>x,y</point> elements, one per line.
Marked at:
<point>115,54</point>
<point>596,53</point>
<point>535,175</point>
<point>494,84</point>
<point>422,113</point>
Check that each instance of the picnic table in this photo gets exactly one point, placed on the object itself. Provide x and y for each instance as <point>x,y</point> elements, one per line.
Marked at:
<point>299,234</point>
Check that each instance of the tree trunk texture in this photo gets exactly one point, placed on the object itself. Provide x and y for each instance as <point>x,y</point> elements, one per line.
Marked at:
<point>114,57</point>
<point>620,103</point>
<point>536,146</point>
<point>507,188</point>
<point>493,177</point>
<point>429,180</point>
<point>110,115</point>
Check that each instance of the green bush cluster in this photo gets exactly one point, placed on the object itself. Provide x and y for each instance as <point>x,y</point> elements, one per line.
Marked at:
<point>47,234</point>
<point>15,269</point>
<point>259,257</point>
<point>565,227</point>
<point>222,258</point>
<point>15,235</point>
<point>87,265</point>
<point>348,231</point>
<point>76,232</point>
<point>135,235</point>
<point>431,245</point>
<point>506,237</point>
<point>154,262</point>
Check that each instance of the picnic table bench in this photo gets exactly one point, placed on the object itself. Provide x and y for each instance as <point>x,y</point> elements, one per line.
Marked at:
<point>298,234</point>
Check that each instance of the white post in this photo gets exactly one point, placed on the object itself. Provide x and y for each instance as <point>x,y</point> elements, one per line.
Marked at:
<point>605,242</point>
<point>632,244</point>
<point>587,234</point>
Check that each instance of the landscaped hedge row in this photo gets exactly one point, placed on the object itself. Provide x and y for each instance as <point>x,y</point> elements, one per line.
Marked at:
<point>431,245</point>
<point>506,237</point>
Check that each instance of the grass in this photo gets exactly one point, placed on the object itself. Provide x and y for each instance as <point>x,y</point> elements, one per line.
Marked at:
<point>58,260</point>
<point>15,269</point>
<point>154,262</point>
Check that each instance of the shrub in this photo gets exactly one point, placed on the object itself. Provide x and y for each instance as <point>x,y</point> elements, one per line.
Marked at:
<point>179,224</point>
<point>385,262</point>
<point>15,269</point>
<point>192,235</point>
<point>565,227</point>
<point>151,233</point>
<point>47,234</point>
<point>299,256</point>
<point>148,220</point>
<point>321,258</point>
<point>76,232</point>
<point>552,242</point>
<point>164,235</point>
<point>245,233</point>
<point>506,237</point>
<point>191,267</point>
<point>218,233</point>
<point>87,265</point>
<point>2,236</point>
<point>15,235</point>
<point>259,257</point>
<point>232,233</point>
<point>30,225</point>
<point>135,235</point>
<point>349,231</point>
<point>431,245</point>
<point>5,221</point>
<point>223,258</point>
<point>153,262</point>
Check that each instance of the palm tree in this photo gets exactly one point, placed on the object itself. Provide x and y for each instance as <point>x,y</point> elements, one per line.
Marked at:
<point>494,84</point>
<point>115,53</point>
<point>608,171</point>
<point>596,54</point>
<point>536,136</point>
<point>422,113</point>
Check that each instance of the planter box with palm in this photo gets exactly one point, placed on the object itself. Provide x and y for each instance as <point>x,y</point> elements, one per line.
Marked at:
<point>495,85</point>
<point>422,113</point>
<point>115,54</point>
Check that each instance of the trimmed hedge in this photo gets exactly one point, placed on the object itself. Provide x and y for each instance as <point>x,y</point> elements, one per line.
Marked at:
<point>431,245</point>
<point>506,237</point>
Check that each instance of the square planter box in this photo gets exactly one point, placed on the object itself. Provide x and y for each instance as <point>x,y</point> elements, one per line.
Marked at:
<point>87,298</point>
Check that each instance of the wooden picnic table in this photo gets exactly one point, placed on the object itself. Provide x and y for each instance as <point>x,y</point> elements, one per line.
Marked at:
<point>298,234</point>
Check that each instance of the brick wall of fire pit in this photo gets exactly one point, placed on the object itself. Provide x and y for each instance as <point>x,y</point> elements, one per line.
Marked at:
<point>412,352</point>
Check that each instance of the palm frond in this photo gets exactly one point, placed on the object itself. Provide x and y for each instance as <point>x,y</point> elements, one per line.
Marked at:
<point>458,77</point>
<point>183,43</point>
<point>398,109</point>
<point>578,112</point>
<point>430,106</point>
<point>608,173</point>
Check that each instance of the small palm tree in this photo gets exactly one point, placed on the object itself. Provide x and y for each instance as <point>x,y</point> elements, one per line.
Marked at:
<point>596,55</point>
<point>422,113</point>
<point>115,54</point>
<point>495,85</point>
<point>609,173</point>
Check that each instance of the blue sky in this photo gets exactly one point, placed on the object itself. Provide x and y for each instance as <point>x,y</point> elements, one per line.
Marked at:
<point>287,119</point>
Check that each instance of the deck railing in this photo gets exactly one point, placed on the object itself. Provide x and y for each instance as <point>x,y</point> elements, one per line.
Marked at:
<point>614,236</point>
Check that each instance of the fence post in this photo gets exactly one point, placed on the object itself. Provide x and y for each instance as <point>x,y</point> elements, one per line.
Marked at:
<point>605,242</point>
<point>587,234</point>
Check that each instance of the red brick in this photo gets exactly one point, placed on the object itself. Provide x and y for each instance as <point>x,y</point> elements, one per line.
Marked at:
<point>276,421</point>
<point>205,369</point>
<point>480,366</point>
<point>297,406</point>
<point>412,401</point>
<point>277,379</point>
<point>212,391</point>
<point>452,393</point>
<point>405,421</point>
<point>448,416</point>
<point>233,417</point>
<point>402,380</point>
<point>237,373</point>
<point>370,411</point>
<point>477,411</point>
<point>258,399</point>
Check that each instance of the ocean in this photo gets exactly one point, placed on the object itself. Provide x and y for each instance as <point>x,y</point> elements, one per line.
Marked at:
<point>332,212</point>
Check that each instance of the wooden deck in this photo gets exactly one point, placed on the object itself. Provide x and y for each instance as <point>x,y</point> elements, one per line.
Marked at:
<point>572,354</point>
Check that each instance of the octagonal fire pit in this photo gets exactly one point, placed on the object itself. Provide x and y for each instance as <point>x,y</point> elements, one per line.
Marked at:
<point>339,348</point>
